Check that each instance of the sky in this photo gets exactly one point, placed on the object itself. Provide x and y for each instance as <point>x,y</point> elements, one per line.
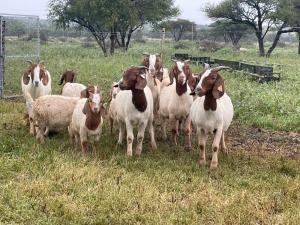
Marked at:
<point>190,9</point>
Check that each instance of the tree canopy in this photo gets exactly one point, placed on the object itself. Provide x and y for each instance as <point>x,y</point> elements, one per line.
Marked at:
<point>113,18</point>
<point>261,16</point>
<point>177,27</point>
<point>253,13</point>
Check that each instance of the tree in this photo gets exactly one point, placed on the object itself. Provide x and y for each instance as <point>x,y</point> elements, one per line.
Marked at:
<point>253,13</point>
<point>232,32</point>
<point>107,17</point>
<point>178,27</point>
<point>17,27</point>
<point>287,21</point>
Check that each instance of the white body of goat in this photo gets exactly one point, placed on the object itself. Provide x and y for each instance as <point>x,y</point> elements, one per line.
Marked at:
<point>72,89</point>
<point>134,108</point>
<point>175,101</point>
<point>51,113</point>
<point>114,90</point>
<point>212,112</point>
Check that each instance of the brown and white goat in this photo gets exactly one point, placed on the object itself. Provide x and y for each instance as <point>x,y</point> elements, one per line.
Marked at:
<point>211,112</point>
<point>36,81</point>
<point>134,106</point>
<point>153,76</point>
<point>175,101</point>
<point>87,119</point>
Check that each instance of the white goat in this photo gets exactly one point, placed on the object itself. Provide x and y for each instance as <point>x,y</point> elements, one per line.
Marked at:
<point>114,90</point>
<point>134,108</point>
<point>175,101</point>
<point>36,81</point>
<point>87,119</point>
<point>50,113</point>
<point>212,112</point>
<point>72,89</point>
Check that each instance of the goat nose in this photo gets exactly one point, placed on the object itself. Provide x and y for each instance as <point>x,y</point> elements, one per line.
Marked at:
<point>96,110</point>
<point>36,83</point>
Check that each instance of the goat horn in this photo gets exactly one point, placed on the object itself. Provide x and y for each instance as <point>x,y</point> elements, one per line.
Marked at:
<point>186,61</point>
<point>206,66</point>
<point>146,53</point>
<point>221,68</point>
<point>41,62</point>
<point>174,60</point>
<point>143,67</point>
<point>30,62</point>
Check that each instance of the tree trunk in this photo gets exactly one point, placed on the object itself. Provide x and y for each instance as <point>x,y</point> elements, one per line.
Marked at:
<point>261,46</point>
<point>113,37</point>
<point>273,46</point>
<point>128,39</point>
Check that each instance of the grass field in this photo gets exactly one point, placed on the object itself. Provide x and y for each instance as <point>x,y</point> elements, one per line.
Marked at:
<point>56,184</point>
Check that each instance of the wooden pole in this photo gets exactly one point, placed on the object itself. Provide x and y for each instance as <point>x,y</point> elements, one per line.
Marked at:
<point>162,44</point>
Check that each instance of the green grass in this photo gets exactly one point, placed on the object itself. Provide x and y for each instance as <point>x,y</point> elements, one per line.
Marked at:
<point>56,184</point>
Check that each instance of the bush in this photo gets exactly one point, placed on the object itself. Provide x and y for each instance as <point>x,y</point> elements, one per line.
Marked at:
<point>209,46</point>
<point>181,46</point>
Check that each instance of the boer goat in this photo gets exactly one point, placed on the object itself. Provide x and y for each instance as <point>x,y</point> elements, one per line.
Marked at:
<point>175,101</point>
<point>153,76</point>
<point>134,107</point>
<point>211,112</point>
<point>87,119</point>
<point>36,81</point>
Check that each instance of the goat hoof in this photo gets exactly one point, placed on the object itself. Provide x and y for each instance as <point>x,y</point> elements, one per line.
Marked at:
<point>188,148</point>
<point>213,165</point>
<point>202,162</point>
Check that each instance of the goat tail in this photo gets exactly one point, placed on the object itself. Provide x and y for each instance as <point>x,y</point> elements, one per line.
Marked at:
<point>29,99</point>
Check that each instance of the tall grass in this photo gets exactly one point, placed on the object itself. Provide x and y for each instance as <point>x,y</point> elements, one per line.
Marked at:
<point>56,184</point>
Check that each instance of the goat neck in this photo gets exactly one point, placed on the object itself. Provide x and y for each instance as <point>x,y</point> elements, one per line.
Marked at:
<point>139,99</point>
<point>92,119</point>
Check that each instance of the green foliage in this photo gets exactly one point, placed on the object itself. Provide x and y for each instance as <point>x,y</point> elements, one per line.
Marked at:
<point>177,27</point>
<point>103,17</point>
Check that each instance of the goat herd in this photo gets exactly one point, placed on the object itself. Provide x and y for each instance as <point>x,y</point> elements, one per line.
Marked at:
<point>143,94</point>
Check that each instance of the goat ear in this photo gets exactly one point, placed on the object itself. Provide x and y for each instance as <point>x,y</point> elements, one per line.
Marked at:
<point>192,82</point>
<point>219,88</point>
<point>45,78</point>
<point>141,82</point>
<point>84,93</point>
<point>103,109</point>
<point>171,76</point>
<point>85,107</point>
<point>26,77</point>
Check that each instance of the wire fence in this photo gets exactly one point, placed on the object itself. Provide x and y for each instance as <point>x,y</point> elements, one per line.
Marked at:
<point>19,35</point>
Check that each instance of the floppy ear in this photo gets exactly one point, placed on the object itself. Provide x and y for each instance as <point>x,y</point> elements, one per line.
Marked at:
<point>84,93</point>
<point>218,89</point>
<point>103,109</point>
<point>171,76</point>
<point>26,77</point>
<point>141,82</point>
<point>45,78</point>
<point>85,107</point>
<point>192,82</point>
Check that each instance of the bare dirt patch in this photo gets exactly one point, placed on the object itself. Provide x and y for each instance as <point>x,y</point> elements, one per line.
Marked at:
<point>264,142</point>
